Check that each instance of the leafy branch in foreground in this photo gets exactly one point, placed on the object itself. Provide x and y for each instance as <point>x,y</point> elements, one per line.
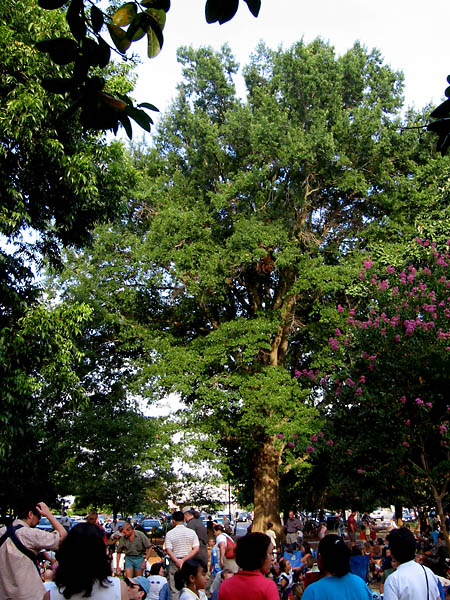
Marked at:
<point>87,51</point>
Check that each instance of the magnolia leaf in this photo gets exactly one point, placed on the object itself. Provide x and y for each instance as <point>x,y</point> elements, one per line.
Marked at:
<point>58,85</point>
<point>140,116</point>
<point>149,106</point>
<point>75,19</point>
<point>62,51</point>
<point>443,110</point>
<point>126,123</point>
<point>137,28</point>
<point>158,15</point>
<point>154,37</point>
<point>104,53</point>
<point>97,18</point>
<point>217,10</point>
<point>119,38</point>
<point>125,14</point>
<point>254,6</point>
<point>51,4</point>
<point>157,4</point>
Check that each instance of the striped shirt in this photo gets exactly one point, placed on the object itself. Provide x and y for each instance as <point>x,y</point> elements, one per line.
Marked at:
<point>181,540</point>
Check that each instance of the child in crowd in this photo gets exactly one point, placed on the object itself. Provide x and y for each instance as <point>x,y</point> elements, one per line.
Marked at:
<point>157,581</point>
<point>225,574</point>
<point>191,580</point>
<point>286,578</point>
<point>48,579</point>
<point>297,591</point>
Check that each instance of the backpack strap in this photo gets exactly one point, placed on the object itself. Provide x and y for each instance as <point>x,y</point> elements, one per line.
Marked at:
<point>11,533</point>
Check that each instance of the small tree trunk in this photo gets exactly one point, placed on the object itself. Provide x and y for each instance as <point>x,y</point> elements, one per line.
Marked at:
<point>398,515</point>
<point>266,464</point>
<point>440,510</point>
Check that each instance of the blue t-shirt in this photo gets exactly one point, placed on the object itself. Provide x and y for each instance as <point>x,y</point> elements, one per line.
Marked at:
<point>348,587</point>
<point>215,564</point>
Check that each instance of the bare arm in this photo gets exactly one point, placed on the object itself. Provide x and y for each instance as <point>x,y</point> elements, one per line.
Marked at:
<point>191,554</point>
<point>222,548</point>
<point>118,555</point>
<point>44,510</point>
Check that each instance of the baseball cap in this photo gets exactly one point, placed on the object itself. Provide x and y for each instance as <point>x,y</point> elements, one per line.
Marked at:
<point>143,582</point>
<point>187,509</point>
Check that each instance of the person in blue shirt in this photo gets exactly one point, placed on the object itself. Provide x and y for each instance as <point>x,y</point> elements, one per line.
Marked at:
<point>337,581</point>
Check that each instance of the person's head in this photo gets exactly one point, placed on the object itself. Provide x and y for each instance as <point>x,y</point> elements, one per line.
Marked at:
<point>217,530</point>
<point>306,548</point>
<point>402,544</point>
<point>92,517</point>
<point>157,569</point>
<point>211,542</point>
<point>226,574</point>
<point>334,556</point>
<point>291,514</point>
<point>127,530</point>
<point>356,551</point>
<point>193,575</point>
<point>177,517</point>
<point>48,575</point>
<point>309,562</point>
<point>189,513</point>
<point>285,565</point>
<point>269,525</point>
<point>28,511</point>
<point>254,552</point>
<point>84,540</point>
<point>138,587</point>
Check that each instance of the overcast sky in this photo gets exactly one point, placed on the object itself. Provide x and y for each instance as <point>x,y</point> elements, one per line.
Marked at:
<point>413,37</point>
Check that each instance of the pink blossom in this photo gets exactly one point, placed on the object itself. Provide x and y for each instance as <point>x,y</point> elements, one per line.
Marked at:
<point>408,422</point>
<point>297,373</point>
<point>405,444</point>
<point>419,402</point>
<point>350,452</point>
<point>321,434</point>
<point>333,343</point>
<point>280,436</point>
<point>360,471</point>
<point>403,399</point>
<point>314,438</point>
<point>330,443</point>
<point>397,338</point>
<point>362,379</point>
<point>368,264</point>
<point>350,382</point>
<point>390,269</point>
<point>309,449</point>
<point>340,308</point>
<point>358,392</point>
<point>429,404</point>
<point>291,444</point>
<point>295,436</point>
<point>338,332</point>
<point>443,429</point>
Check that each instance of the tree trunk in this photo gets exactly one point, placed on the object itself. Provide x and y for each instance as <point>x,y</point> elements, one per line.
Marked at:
<point>440,510</point>
<point>398,515</point>
<point>266,464</point>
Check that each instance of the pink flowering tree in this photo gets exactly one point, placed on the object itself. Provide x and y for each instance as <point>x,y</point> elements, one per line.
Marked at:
<point>388,405</point>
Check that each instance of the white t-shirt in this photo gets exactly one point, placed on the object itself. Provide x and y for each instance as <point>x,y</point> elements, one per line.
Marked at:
<point>409,582</point>
<point>110,592</point>
<point>156,584</point>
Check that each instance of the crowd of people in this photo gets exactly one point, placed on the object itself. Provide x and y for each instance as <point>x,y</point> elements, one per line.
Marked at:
<point>208,562</point>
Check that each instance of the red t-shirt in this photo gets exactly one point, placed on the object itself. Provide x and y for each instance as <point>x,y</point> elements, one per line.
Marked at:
<point>248,585</point>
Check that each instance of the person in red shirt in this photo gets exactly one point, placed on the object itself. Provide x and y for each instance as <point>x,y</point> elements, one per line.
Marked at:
<point>254,557</point>
<point>351,527</point>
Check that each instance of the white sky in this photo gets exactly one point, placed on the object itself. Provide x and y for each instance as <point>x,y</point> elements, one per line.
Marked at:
<point>412,36</point>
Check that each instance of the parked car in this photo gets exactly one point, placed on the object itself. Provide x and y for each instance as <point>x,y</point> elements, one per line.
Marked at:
<point>241,528</point>
<point>45,524</point>
<point>152,527</point>
<point>377,514</point>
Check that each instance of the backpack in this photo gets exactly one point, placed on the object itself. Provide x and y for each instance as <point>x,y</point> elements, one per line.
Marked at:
<point>230,550</point>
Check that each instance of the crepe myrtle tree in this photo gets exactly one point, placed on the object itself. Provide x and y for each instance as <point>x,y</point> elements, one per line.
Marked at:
<point>386,404</point>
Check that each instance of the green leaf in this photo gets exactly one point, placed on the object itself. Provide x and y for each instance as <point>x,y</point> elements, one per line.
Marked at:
<point>158,15</point>
<point>51,4</point>
<point>157,4</point>
<point>125,14</point>
<point>140,117</point>
<point>254,6</point>
<point>119,38</point>
<point>76,20</point>
<point>149,106</point>
<point>126,123</point>
<point>155,37</point>
<point>97,18</point>
<point>137,28</point>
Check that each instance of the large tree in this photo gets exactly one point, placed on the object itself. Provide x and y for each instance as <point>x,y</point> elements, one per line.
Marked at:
<point>244,232</point>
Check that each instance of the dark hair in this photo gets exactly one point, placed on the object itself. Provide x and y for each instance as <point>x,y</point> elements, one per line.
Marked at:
<point>132,584</point>
<point>190,567</point>
<point>155,568</point>
<point>217,527</point>
<point>307,547</point>
<point>86,540</point>
<point>402,544</point>
<point>282,564</point>
<point>335,555</point>
<point>178,516</point>
<point>269,525</point>
<point>25,507</point>
<point>251,551</point>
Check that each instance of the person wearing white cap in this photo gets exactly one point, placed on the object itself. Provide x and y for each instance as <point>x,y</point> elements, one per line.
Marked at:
<point>192,520</point>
